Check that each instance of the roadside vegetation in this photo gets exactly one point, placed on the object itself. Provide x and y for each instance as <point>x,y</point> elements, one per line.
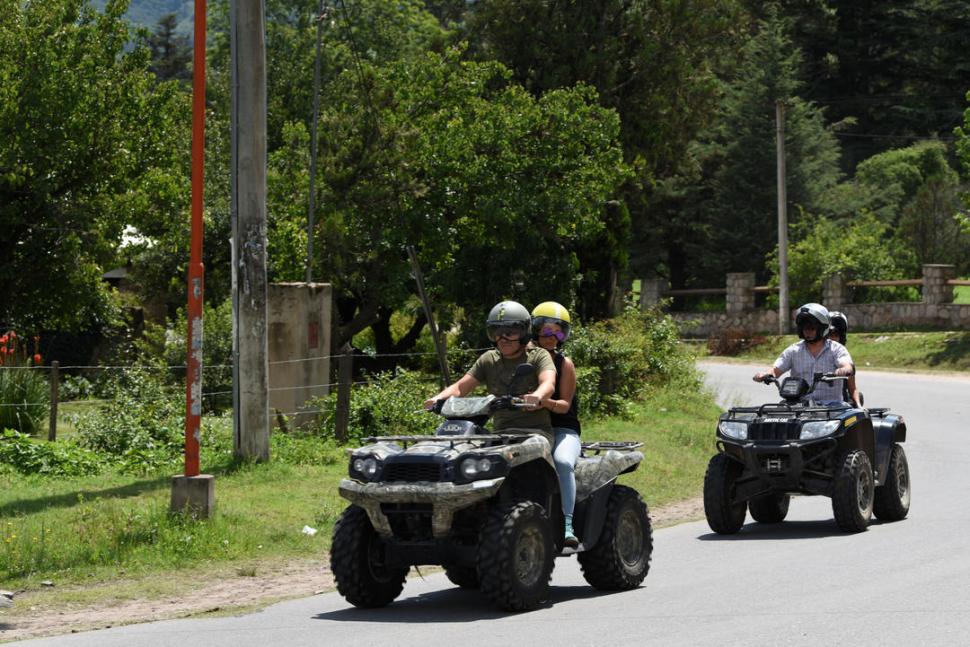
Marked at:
<point>916,351</point>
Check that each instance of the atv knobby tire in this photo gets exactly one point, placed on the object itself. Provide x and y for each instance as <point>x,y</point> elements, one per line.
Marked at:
<point>724,517</point>
<point>515,555</point>
<point>464,576</point>
<point>891,502</point>
<point>769,508</point>
<point>357,560</point>
<point>852,494</point>
<point>621,558</point>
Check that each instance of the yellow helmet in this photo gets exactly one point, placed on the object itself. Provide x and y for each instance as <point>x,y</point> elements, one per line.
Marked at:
<point>550,312</point>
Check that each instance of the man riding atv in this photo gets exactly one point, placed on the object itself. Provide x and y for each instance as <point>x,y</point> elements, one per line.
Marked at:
<point>814,354</point>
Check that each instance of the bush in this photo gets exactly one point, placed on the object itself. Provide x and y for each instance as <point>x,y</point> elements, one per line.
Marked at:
<point>389,404</point>
<point>24,390</point>
<point>733,341</point>
<point>30,456</point>
<point>617,359</point>
<point>140,423</point>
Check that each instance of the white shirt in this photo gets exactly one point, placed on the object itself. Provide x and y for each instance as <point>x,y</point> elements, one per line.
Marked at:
<point>800,361</point>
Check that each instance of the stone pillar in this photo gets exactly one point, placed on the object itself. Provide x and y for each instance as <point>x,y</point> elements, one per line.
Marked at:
<point>652,291</point>
<point>740,291</point>
<point>299,347</point>
<point>935,289</point>
<point>835,293</point>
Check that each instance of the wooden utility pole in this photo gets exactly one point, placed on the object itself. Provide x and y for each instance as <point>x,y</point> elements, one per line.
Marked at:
<point>782,220</point>
<point>248,179</point>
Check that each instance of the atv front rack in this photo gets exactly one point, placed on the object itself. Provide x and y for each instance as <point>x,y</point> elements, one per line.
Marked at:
<point>451,440</point>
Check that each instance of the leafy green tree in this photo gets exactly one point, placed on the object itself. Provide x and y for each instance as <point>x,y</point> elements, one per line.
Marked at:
<point>823,247</point>
<point>915,192</point>
<point>91,143</point>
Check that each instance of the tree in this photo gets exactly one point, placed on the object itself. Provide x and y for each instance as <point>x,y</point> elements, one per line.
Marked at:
<point>90,144</point>
<point>171,53</point>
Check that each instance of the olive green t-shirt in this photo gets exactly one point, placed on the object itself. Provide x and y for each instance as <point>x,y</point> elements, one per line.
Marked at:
<point>495,372</point>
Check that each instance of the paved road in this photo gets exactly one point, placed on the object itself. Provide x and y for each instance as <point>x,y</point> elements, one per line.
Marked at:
<point>799,583</point>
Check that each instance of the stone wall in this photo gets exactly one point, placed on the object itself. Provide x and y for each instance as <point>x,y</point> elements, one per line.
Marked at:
<point>935,310</point>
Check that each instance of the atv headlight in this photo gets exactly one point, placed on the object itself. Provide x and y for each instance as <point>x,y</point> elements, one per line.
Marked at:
<point>472,468</point>
<point>365,468</point>
<point>733,429</point>
<point>818,429</point>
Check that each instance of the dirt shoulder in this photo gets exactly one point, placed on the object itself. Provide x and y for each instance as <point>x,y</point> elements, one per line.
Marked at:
<point>243,589</point>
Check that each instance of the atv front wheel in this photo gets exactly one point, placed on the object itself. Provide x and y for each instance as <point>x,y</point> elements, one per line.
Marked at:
<point>853,492</point>
<point>515,556</point>
<point>723,516</point>
<point>358,562</point>
<point>769,508</point>
<point>464,576</point>
<point>621,558</point>
<point>891,501</point>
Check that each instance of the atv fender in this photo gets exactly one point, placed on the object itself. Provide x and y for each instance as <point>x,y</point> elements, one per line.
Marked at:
<point>590,514</point>
<point>887,429</point>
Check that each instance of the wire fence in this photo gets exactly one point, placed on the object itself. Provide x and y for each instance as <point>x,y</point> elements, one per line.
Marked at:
<point>103,389</point>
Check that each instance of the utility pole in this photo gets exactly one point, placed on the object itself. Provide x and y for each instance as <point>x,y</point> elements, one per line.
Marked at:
<point>248,180</point>
<point>782,220</point>
<point>321,16</point>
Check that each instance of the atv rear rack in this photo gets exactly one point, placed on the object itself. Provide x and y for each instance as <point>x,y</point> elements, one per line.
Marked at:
<point>598,446</point>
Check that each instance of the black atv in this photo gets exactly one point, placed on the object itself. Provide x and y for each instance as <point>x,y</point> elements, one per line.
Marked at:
<point>767,453</point>
<point>486,506</point>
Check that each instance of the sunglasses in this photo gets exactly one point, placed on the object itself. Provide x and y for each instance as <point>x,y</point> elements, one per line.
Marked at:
<point>507,333</point>
<point>549,332</point>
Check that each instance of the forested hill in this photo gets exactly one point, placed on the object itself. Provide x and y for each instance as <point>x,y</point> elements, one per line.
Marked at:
<point>148,12</point>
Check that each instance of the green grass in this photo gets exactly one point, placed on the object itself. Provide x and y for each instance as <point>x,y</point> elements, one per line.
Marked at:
<point>919,351</point>
<point>961,294</point>
<point>104,531</point>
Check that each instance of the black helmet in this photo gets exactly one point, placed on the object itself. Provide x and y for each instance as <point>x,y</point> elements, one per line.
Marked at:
<point>816,314</point>
<point>840,325</point>
<point>509,318</point>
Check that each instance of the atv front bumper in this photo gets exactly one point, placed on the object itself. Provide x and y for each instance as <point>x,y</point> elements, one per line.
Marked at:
<point>785,467</point>
<point>445,498</point>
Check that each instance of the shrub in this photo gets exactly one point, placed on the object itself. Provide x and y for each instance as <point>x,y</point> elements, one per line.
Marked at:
<point>30,456</point>
<point>733,341</point>
<point>617,359</point>
<point>140,416</point>
<point>389,403</point>
<point>24,390</point>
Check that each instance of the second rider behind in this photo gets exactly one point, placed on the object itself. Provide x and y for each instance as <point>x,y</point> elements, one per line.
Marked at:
<point>550,323</point>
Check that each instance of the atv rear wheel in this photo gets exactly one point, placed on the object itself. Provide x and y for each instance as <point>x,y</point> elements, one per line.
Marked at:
<point>464,576</point>
<point>891,501</point>
<point>853,491</point>
<point>515,555</point>
<point>723,516</point>
<point>769,508</point>
<point>621,558</point>
<point>358,562</point>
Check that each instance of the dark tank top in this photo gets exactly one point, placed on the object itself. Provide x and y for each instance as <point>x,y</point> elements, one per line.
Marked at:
<point>570,419</point>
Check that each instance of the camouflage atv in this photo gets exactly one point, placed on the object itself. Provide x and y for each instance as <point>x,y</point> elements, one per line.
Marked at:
<point>486,507</point>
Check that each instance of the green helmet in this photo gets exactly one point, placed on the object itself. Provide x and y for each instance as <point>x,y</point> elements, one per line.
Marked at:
<point>509,318</point>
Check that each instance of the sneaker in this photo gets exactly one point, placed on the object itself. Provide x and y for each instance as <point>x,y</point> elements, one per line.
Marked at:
<point>570,537</point>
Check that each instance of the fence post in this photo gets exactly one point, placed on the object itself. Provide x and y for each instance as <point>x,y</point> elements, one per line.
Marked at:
<point>55,379</point>
<point>652,291</point>
<point>935,288</point>
<point>835,293</point>
<point>345,374</point>
<point>739,292</point>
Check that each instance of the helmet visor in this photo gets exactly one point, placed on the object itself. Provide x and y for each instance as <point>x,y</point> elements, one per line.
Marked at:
<point>510,332</point>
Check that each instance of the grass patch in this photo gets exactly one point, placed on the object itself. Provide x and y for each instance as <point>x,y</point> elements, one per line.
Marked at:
<point>101,532</point>
<point>918,351</point>
<point>961,294</point>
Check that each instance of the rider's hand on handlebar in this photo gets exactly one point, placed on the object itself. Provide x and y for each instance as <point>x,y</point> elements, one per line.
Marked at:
<point>531,401</point>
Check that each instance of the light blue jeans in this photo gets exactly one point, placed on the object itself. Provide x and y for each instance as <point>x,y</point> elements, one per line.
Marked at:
<point>565,451</point>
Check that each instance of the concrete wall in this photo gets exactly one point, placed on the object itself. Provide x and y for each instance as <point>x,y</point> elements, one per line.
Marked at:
<point>935,310</point>
<point>299,346</point>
